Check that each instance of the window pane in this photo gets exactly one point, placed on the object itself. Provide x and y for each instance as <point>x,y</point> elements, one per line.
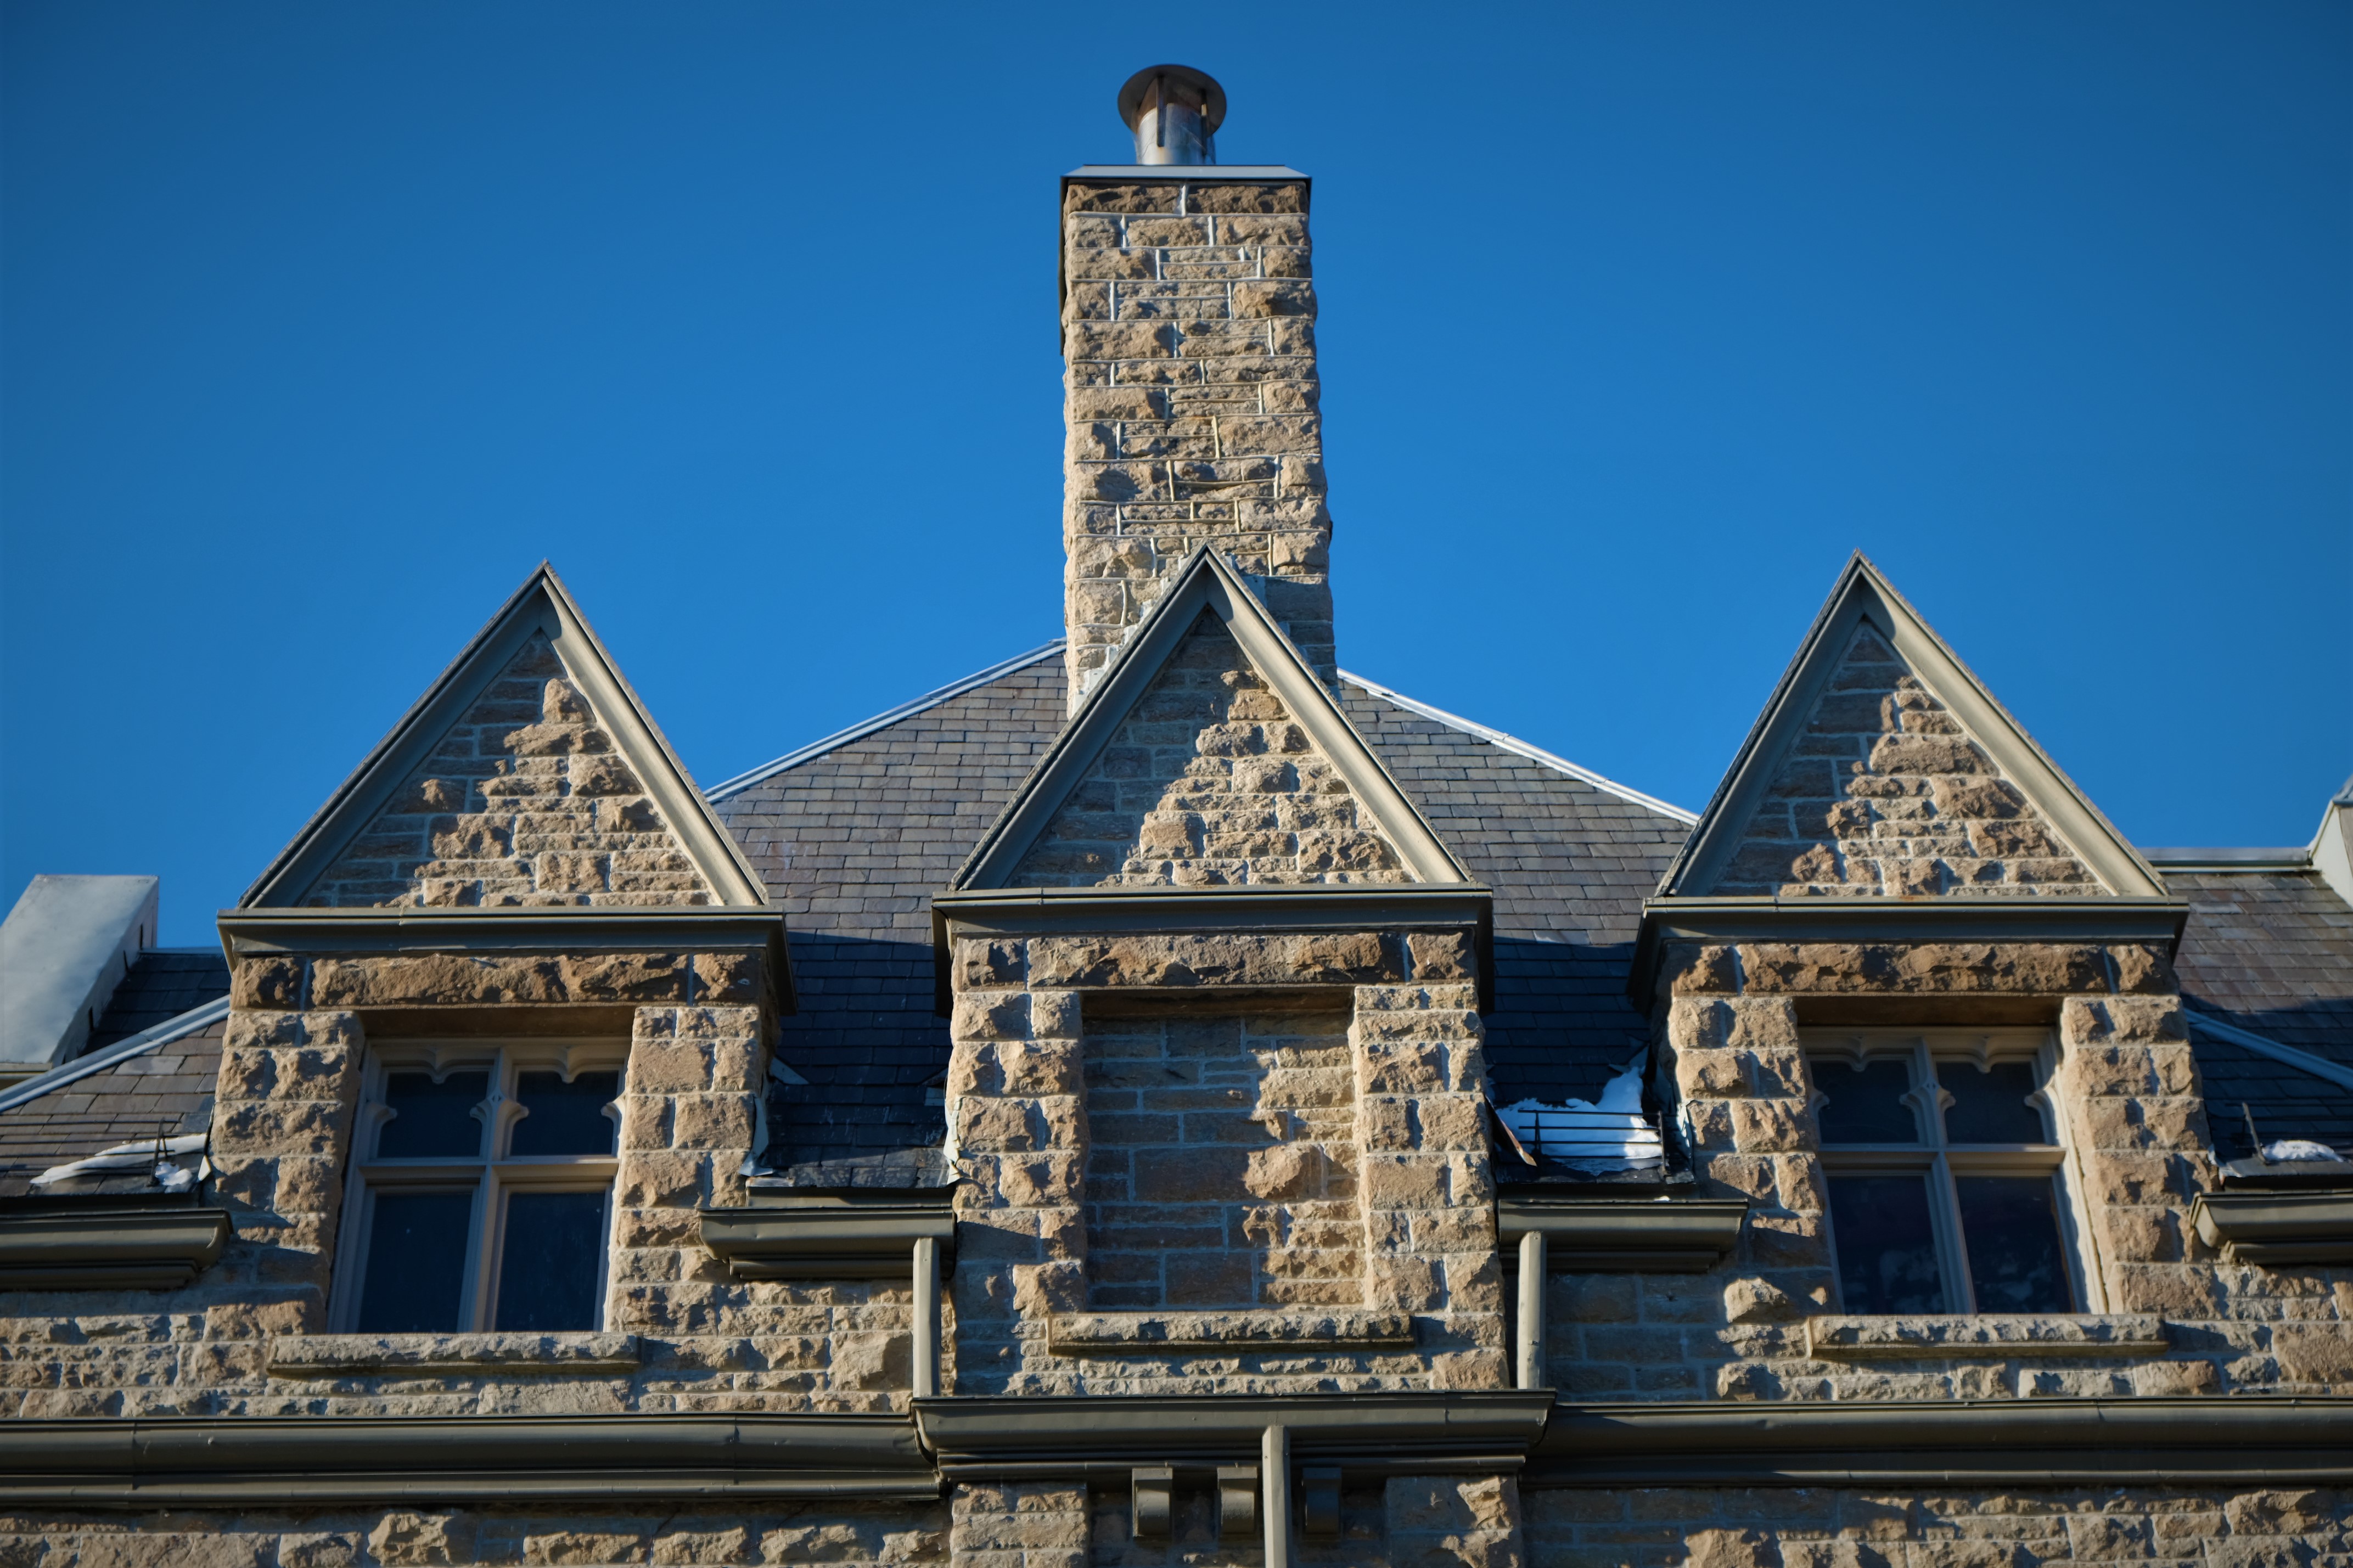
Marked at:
<point>2010,1226</point>
<point>432,1119</point>
<point>1887,1247</point>
<point>554,1257</point>
<point>1990,1107</point>
<point>416,1277</point>
<point>565,1118</point>
<point>1865,1104</point>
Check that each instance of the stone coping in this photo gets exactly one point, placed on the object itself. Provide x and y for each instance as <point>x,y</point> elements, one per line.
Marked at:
<point>1226,1334</point>
<point>333,1355</point>
<point>1986,1334</point>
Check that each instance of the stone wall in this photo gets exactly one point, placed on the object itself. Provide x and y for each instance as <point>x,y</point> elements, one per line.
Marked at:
<point>1825,1527</point>
<point>2175,1319</point>
<point>1019,1118</point>
<point>524,801</point>
<point>1209,782</point>
<point>1188,323</point>
<point>1885,794</point>
<point>1221,1169</point>
<point>680,1334</point>
<point>572,1537</point>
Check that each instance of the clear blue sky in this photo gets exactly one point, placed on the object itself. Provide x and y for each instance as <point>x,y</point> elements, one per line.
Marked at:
<point>324,323</point>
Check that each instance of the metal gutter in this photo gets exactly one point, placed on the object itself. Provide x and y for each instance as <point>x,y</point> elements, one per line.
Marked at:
<point>882,720</point>
<point>1518,747</point>
<point>2231,858</point>
<point>137,1045</point>
<point>2263,1440</point>
<point>317,1459</point>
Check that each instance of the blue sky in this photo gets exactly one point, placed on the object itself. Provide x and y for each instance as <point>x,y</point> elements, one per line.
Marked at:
<point>323,324</point>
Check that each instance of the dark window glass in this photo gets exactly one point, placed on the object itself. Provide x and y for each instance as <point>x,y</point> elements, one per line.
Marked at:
<point>432,1119</point>
<point>565,1118</point>
<point>2010,1227</point>
<point>416,1276</point>
<point>1887,1247</point>
<point>555,1252</point>
<point>1990,1107</point>
<point>1865,1104</point>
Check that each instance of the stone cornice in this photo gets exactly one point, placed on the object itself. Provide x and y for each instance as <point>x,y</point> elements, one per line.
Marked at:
<point>2256,1440</point>
<point>275,1461</point>
<point>102,1243</point>
<point>1414,1433</point>
<point>1952,918</point>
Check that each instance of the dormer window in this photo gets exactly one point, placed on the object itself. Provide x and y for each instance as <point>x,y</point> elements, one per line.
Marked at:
<point>482,1198</point>
<point>1945,1173</point>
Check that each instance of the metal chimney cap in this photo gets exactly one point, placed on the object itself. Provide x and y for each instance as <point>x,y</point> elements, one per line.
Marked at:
<point>1213,97</point>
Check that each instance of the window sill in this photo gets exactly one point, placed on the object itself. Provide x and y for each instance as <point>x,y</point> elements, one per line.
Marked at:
<point>336,1355</point>
<point>1225,1334</point>
<point>1992,1335</point>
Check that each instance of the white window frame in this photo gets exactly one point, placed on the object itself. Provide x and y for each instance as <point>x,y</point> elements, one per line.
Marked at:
<point>1940,1161</point>
<point>491,1176</point>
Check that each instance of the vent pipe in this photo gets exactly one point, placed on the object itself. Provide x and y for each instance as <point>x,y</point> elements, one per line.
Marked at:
<point>1175,111</point>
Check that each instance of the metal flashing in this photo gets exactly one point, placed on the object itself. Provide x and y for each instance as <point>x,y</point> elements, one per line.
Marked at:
<point>1518,747</point>
<point>2263,1045</point>
<point>1207,581</point>
<point>279,1462</point>
<point>1370,1433</point>
<point>2268,1441</point>
<point>541,607</point>
<point>2231,858</point>
<point>1183,175</point>
<point>197,1017</point>
<point>882,721</point>
<point>1860,596</point>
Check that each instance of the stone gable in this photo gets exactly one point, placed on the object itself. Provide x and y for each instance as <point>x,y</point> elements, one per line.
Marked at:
<point>1209,782</point>
<point>1885,794</point>
<point>524,801</point>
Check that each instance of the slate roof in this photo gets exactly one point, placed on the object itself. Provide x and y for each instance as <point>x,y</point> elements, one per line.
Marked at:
<point>2285,1102</point>
<point>2271,951</point>
<point>157,1094</point>
<point>163,983</point>
<point>855,841</point>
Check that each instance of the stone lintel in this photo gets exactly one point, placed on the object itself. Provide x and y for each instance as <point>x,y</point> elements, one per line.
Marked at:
<point>507,1355</point>
<point>1948,1336</point>
<point>1107,938</point>
<point>2269,1442</point>
<point>601,984</point>
<point>2278,1229</point>
<point>1224,1333</point>
<point>1895,924</point>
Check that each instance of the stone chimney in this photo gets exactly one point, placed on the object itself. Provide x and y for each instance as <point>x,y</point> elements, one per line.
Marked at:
<point>1188,327</point>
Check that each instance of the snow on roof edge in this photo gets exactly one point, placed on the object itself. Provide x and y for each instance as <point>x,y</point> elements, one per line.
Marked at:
<point>1520,748</point>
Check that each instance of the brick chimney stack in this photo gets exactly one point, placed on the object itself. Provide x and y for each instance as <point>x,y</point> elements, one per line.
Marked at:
<point>1188,327</point>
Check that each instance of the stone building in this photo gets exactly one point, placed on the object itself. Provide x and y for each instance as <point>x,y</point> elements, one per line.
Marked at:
<point>1164,1098</point>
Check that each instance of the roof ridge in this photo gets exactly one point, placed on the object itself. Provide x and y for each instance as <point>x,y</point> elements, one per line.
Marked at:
<point>882,721</point>
<point>137,1045</point>
<point>2265,1046</point>
<point>1514,744</point>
